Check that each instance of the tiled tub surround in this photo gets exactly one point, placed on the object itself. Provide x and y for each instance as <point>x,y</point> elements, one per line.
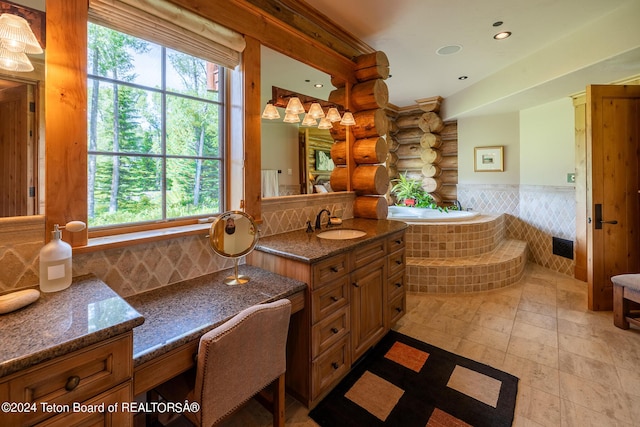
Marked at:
<point>535,214</point>
<point>467,256</point>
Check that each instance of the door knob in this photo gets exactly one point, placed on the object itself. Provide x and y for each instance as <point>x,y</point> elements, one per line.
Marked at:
<point>599,220</point>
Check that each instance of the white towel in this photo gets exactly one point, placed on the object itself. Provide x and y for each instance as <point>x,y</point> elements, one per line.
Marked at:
<point>269,183</point>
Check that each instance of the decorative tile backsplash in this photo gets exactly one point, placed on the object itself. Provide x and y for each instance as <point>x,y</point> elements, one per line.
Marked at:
<point>142,267</point>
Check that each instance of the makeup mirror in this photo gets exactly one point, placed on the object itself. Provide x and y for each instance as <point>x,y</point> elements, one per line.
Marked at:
<point>232,235</point>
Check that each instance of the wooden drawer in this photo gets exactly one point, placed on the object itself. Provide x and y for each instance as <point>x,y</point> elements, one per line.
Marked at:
<point>330,269</point>
<point>395,262</point>
<point>395,286</point>
<point>329,331</point>
<point>367,254</point>
<point>395,242</point>
<point>329,368</point>
<point>100,418</point>
<point>397,308</point>
<point>73,378</point>
<point>329,299</point>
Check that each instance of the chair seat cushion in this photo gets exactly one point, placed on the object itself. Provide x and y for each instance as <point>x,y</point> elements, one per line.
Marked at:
<point>630,281</point>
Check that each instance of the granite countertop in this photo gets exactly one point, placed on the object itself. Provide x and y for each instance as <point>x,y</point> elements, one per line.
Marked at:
<point>61,322</point>
<point>308,247</point>
<point>183,312</point>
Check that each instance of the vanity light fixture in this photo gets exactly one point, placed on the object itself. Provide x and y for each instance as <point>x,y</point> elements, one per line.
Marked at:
<point>291,118</point>
<point>333,115</point>
<point>315,111</point>
<point>294,106</point>
<point>347,119</point>
<point>16,40</point>
<point>270,112</point>
<point>309,120</point>
<point>325,123</point>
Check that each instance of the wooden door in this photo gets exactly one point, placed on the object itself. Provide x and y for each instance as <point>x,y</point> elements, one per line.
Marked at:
<point>14,152</point>
<point>613,126</point>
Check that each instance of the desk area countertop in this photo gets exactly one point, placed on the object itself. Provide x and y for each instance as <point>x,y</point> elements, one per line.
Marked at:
<point>181,313</point>
<point>61,322</point>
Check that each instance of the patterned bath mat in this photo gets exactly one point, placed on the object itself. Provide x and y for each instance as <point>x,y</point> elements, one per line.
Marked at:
<point>406,382</point>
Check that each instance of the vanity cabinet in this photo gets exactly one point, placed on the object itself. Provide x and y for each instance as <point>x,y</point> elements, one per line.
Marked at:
<point>354,298</point>
<point>90,376</point>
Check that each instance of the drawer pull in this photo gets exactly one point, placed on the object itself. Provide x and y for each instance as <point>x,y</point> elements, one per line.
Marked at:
<point>334,299</point>
<point>398,242</point>
<point>334,269</point>
<point>356,284</point>
<point>334,330</point>
<point>72,383</point>
<point>398,309</point>
<point>334,365</point>
<point>398,285</point>
<point>399,261</point>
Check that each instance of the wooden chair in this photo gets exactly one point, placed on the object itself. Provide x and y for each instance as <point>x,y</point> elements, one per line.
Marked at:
<point>237,361</point>
<point>626,292</point>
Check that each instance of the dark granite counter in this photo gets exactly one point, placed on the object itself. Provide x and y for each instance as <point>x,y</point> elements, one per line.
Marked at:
<point>308,247</point>
<point>183,312</point>
<point>61,322</point>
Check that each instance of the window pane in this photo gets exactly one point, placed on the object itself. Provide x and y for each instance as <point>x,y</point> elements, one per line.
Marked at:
<point>192,76</point>
<point>138,128</point>
<point>124,189</point>
<point>192,127</point>
<point>193,187</point>
<point>123,57</point>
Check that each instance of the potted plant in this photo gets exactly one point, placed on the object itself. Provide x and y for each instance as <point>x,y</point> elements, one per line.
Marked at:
<point>409,192</point>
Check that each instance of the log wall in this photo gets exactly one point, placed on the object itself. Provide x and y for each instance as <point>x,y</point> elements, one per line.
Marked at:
<point>360,151</point>
<point>425,148</point>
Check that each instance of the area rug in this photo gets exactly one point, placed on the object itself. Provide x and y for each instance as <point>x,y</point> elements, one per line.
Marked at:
<point>405,382</point>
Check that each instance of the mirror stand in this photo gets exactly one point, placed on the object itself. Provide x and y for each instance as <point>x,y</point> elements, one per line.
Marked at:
<point>232,235</point>
<point>236,279</point>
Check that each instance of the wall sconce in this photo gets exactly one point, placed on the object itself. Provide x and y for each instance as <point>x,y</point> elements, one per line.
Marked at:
<point>16,40</point>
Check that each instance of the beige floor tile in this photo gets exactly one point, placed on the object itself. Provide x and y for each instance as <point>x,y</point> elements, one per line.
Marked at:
<point>573,415</point>
<point>535,333</point>
<point>449,325</point>
<point>585,348</point>
<point>534,351</point>
<point>491,321</point>
<point>539,308</point>
<point>533,374</point>
<point>611,402</point>
<point>589,369</point>
<point>488,337</point>
<point>480,352</point>
<point>536,319</point>
<point>538,406</point>
<point>630,380</point>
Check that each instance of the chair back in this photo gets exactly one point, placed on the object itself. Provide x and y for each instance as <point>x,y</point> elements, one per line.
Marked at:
<point>241,357</point>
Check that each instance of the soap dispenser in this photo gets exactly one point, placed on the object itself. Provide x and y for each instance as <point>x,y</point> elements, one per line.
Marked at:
<point>55,259</point>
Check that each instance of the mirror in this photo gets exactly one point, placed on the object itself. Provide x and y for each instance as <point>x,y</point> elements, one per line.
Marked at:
<point>288,149</point>
<point>232,235</point>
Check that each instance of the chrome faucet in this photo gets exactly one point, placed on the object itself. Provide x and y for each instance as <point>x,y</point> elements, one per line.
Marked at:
<point>318,224</point>
<point>458,204</point>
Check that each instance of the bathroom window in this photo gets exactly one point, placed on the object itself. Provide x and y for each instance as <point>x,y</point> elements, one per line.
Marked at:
<point>155,132</point>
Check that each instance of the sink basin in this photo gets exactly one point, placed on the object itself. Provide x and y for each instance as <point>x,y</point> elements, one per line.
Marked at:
<point>341,234</point>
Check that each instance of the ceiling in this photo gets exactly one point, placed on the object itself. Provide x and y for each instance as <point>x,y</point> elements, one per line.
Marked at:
<point>557,47</point>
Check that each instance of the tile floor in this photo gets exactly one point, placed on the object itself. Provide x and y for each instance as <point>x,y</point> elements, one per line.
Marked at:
<point>575,367</point>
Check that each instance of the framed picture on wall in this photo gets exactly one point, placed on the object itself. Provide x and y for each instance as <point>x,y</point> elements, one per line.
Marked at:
<point>489,159</point>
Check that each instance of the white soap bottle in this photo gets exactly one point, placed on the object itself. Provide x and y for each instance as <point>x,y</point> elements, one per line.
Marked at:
<point>55,263</point>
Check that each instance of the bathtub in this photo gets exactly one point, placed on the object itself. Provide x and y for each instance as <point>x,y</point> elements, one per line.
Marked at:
<point>411,214</point>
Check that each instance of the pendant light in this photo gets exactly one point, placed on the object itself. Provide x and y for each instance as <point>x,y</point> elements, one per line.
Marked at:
<point>315,110</point>
<point>270,112</point>
<point>333,115</point>
<point>291,118</point>
<point>294,106</point>
<point>309,120</point>
<point>16,39</point>
<point>347,119</point>
<point>325,123</point>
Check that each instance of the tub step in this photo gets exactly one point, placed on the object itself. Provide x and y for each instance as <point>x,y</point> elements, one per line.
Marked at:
<point>498,268</point>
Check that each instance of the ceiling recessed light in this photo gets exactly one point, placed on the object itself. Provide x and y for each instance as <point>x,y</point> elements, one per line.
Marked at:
<point>318,85</point>
<point>497,23</point>
<point>449,50</point>
<point>502,35</point>
<point>463,77</point>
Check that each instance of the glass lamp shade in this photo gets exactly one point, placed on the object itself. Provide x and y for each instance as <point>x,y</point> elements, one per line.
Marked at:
<point>16,35</point>
<point>291,118</point>
<point>316,111</point>
<point>14,61</point>
<point>308,120</point>
<point>325,123</point>
<point>347,119</point>
<point>333,115</point>
<point>270,112</point>
<point>294,106</point>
